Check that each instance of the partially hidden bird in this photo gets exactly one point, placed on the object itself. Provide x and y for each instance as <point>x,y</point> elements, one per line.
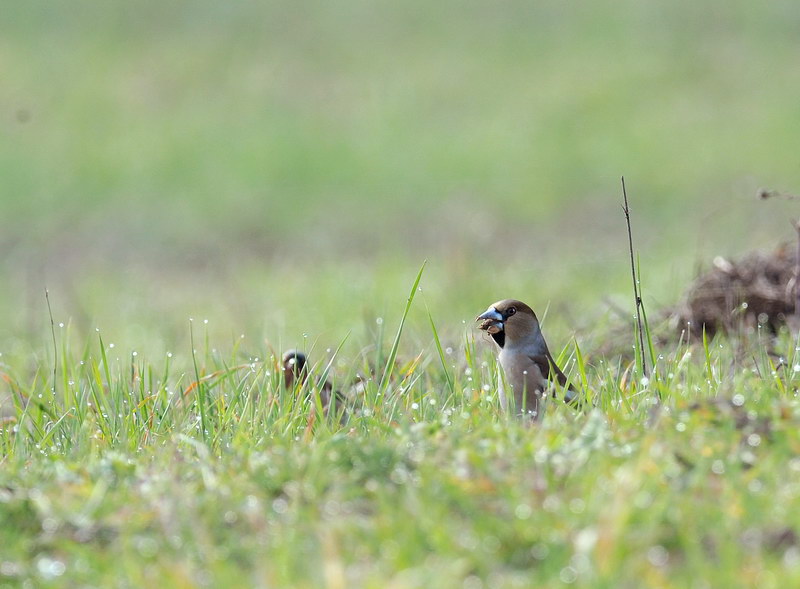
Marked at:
<point>295,368</point>
<point>528,366</point>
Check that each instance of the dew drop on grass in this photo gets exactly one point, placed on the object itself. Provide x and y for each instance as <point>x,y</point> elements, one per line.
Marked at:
<point>753,440</point>
<point>791,558</point>
<point>472,582</point>
<point>540,551</point>
<point>50,568</point>
<point>577,505</point>
<point>658,556</point>
<point>551,503</point>
<point>523,511</point>
<point>568,575</point>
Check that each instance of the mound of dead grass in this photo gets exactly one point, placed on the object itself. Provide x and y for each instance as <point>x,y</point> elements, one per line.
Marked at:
<point>757,289</point>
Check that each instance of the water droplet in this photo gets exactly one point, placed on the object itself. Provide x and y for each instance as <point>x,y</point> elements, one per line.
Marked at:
<point>540,551</point>
<point>568,575</point>
<point>523,511</point>
<point>577,505</point>
<point>754,440</point>
<point>791,558</point>
<point>658,556</point>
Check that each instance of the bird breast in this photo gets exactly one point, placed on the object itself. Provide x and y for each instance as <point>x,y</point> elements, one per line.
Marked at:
<point>521,372</point>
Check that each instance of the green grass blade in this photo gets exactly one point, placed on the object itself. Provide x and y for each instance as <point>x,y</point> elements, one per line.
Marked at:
<point>389,368</point>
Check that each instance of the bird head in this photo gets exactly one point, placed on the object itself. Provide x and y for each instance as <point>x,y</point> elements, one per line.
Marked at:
<point>509,320</point>
<point>294,364</point>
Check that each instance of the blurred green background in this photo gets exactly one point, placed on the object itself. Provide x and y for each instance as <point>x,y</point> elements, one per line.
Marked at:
<point>283,168</point>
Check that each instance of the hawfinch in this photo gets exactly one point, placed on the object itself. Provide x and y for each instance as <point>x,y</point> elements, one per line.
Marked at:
<point>295,374</point>
<point>528,366</point>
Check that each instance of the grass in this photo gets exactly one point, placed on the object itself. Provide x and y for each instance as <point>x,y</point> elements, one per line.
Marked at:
<point>201,186</point>
<point>131,470</point>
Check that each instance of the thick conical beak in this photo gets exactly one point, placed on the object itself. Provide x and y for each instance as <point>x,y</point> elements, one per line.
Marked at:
<point>492,320</point>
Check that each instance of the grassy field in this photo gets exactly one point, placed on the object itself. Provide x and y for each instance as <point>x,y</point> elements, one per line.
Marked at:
<point>131,471</point>
<point>200,186</point>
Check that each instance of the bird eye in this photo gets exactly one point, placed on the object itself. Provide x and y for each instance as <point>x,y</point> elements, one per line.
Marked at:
<point>511,311</point>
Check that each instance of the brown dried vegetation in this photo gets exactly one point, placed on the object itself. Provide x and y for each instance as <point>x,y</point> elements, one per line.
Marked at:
<point>758,289</point>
